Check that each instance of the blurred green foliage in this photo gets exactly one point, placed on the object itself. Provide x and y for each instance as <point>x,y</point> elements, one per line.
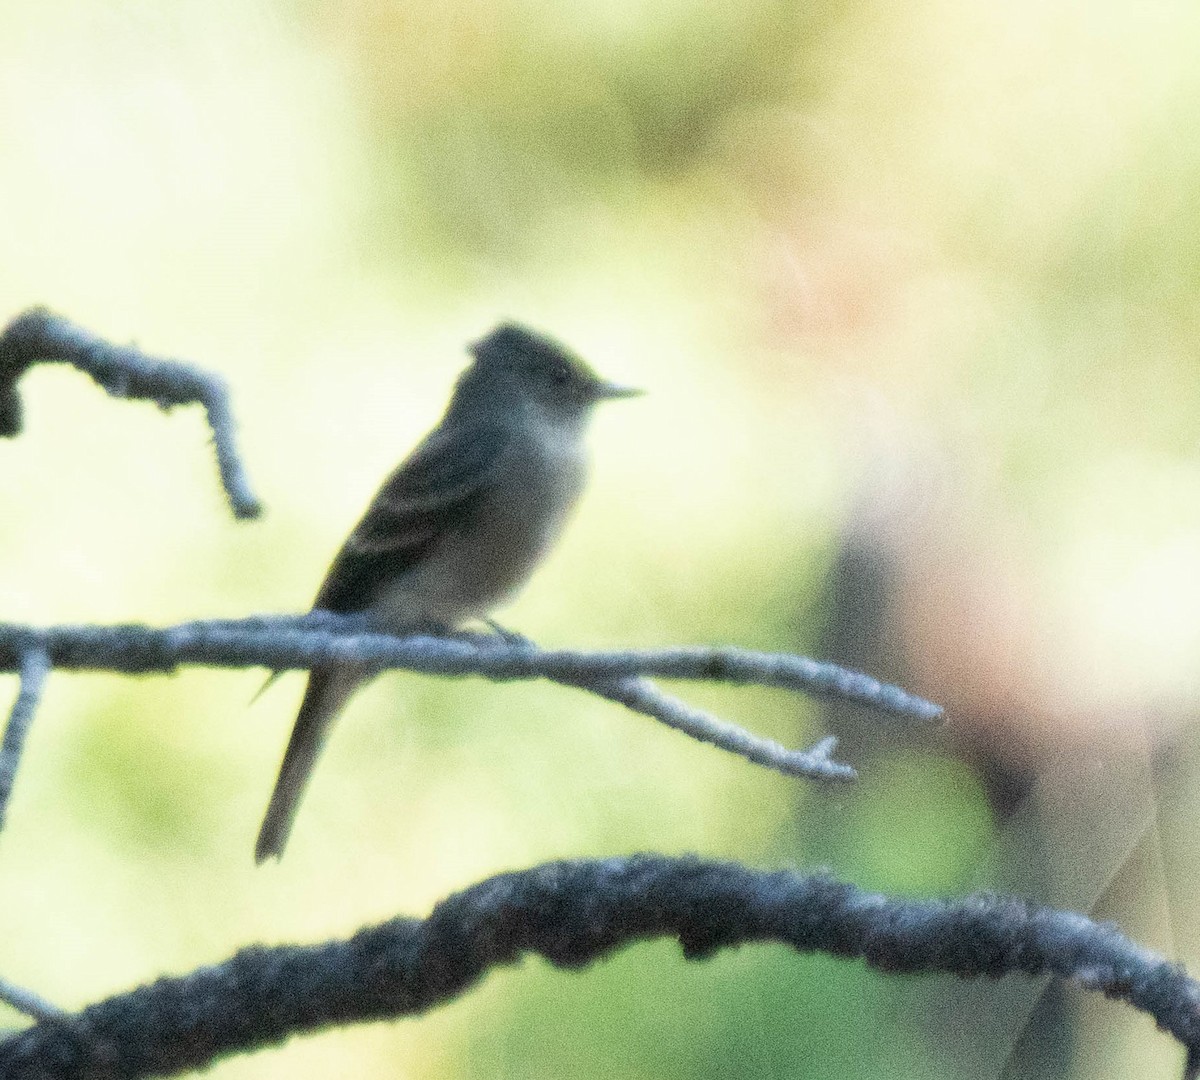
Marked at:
<point>837,241</point>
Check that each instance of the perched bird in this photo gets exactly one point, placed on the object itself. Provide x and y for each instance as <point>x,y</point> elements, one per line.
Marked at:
<point>458,527</point>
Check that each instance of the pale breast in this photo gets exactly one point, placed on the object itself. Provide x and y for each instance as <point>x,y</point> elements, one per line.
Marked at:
<point>491,554</point>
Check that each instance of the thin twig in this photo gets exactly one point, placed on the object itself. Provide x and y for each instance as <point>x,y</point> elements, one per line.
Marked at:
<point>644,697</point>
<point>39,337</point>
<point>34,666</point>
<point>28,1002</point>
<point>573,913</point>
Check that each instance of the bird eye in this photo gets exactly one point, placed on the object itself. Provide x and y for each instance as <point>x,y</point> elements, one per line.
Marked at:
<point>561,374</point>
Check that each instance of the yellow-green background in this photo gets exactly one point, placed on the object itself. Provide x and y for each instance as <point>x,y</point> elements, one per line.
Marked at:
<point>855,251</point>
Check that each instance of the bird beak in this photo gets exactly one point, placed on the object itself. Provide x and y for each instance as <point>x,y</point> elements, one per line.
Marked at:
<point>611,391</point>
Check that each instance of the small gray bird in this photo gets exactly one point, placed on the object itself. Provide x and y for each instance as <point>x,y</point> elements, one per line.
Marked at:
<point>458,527</point>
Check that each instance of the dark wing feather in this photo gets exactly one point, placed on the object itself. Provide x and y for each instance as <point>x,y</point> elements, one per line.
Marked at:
<point>431,491</point>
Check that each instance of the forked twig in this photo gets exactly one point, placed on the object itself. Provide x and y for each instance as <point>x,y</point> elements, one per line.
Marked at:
<point>284,642</point>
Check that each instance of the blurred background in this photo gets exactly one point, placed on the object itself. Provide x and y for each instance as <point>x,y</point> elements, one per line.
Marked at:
<point>911,287</point>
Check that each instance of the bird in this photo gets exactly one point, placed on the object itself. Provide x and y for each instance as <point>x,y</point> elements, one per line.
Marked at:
<point>458,527</point>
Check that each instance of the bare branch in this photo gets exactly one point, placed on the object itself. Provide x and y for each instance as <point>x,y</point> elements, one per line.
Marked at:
<point>284,642</point>
<point>573,913</point>
<point>40,337</point>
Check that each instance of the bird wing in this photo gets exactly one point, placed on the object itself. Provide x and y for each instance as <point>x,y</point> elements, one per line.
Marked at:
<point>431,491</point>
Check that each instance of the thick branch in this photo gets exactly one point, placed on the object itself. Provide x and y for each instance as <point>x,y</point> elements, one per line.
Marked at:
<point>573,913</point>
<point>40,337</point>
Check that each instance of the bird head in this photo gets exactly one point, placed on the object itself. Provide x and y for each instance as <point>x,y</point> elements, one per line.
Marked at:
<point>542,370</point>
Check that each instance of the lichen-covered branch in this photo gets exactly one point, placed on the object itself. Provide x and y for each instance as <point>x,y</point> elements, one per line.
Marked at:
<point>39,336</point>
<point>574,913</point>
<point>284,642</point>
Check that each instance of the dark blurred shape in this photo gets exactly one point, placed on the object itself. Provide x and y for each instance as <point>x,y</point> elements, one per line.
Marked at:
<point>903,602</point>
<point>922,591</point>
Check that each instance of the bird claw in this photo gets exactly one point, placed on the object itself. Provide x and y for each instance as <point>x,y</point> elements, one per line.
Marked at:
<point>510,637</point>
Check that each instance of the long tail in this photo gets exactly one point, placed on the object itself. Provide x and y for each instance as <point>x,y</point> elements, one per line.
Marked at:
<point>328,690</point>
